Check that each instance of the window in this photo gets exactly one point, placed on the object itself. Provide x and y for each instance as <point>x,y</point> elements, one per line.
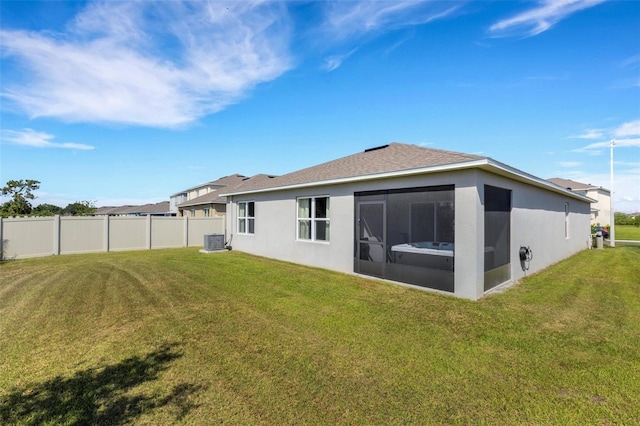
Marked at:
<point>246,217</point>
<point>206,212</point>
<point>313,218</point>
<point>192,212</point>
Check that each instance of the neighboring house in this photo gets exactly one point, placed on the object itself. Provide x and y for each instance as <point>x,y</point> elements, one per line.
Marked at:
<point>601,204</point>
<point>195,203</point>
<point>157,209</point>
<point>435,219</point>
<point>210,202</point>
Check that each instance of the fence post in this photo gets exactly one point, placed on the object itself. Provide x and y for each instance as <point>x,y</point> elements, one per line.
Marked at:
<point>1,240</point>
<point>185,237</point>
<point>56,234</point>
<point>148,232</point>
<point>106,233</point>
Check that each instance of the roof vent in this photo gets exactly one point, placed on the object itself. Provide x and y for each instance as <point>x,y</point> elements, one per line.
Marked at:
<point>376,148</point>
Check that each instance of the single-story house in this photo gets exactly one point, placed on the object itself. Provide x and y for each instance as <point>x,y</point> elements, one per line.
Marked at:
<point>457,223</point>
<point>601,205</point>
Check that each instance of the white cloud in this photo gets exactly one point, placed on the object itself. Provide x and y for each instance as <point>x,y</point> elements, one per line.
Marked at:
<point>626,139</point>
<point>159,64</point>
<point>590,134</point>
<point>599,147</point>
<point>631,128</point>
<point>345,19</point>
<point>632,61</point>
<point>333,62</point>
<point>541,18</point>
<point>353,21</point>
<point>624,136</point>
<point>626,186</point>
<point>34,139</point>
<point>632,142</point>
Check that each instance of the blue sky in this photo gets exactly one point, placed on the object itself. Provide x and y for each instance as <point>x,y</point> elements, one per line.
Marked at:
<point>129,102</point>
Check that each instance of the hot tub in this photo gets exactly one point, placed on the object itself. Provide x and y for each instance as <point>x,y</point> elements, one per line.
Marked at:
<point>425,263</point>
<point>425,247</point>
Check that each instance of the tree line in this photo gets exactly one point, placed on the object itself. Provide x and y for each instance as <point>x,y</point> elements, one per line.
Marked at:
<point>20,192</point>
<point>626,219</point>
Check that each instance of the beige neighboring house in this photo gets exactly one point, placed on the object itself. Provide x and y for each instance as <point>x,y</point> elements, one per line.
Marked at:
<point>205,200</point>
<point>600,209</point>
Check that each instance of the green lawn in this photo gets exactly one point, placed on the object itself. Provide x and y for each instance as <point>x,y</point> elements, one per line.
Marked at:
<point>175,336</point>
<point>627,232</point>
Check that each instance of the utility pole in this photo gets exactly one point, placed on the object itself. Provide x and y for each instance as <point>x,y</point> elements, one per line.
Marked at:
<point>612,220</point>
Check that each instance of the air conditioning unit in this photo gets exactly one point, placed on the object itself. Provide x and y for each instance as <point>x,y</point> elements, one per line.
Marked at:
<point>213,242</point>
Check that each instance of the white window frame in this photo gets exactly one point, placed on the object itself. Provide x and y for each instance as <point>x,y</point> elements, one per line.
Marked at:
<point>206,212</point>
<point>313,220</point>
<point>246,219</point>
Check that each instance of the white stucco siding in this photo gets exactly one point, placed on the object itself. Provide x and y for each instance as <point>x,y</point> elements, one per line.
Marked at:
<point>276,229</point>
<point>276,222</point>
<point>537,221</point>
<point>469,237</point>
<point>602,207</point>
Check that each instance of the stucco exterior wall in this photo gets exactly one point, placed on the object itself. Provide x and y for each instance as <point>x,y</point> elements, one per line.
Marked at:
<point>216,209</point>
<point>602,214</point>
<point>276,225</point>
<point>537,221</point>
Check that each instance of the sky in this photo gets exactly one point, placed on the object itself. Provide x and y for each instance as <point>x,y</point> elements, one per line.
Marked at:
<point>128,102</point>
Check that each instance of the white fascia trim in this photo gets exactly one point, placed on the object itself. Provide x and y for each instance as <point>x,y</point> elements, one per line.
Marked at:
<point>513,173</point>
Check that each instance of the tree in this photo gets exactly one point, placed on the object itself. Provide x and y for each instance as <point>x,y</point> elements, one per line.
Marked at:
<point>79,208</point>
<point>46,210</point>
<point>20,192</point>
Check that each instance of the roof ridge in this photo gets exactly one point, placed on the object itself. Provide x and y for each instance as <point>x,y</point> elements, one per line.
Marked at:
<point>393,157</point>
<point>448,151</point>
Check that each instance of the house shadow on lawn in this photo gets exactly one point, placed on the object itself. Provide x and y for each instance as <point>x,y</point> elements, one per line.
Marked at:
<point>99,395</point>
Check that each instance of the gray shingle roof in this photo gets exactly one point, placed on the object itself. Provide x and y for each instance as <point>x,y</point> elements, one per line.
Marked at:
<point>230,183</point>
<point>571,184</point>
<point>220,183</point>
<point>394,157</point>
<point>230,180</point>
<point>157,208</point>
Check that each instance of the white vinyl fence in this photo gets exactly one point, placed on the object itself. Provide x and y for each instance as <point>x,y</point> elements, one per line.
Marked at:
<point>43,236</point>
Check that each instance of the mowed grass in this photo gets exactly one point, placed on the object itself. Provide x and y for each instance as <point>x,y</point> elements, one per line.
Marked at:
<point>175,336</point>
<point>627,232</point>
